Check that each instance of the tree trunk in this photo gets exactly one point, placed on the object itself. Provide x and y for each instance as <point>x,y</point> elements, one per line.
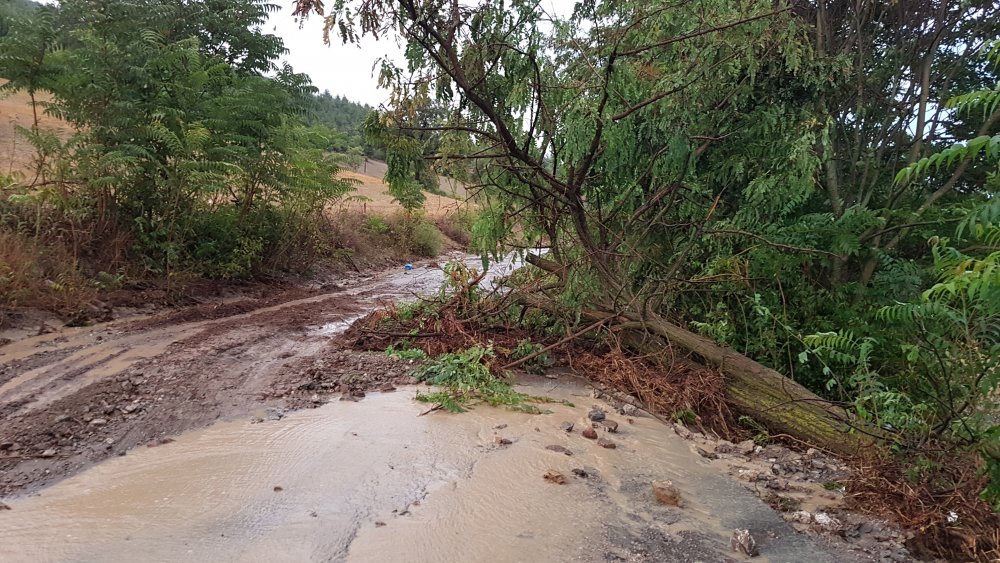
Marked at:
<point>777,402</point>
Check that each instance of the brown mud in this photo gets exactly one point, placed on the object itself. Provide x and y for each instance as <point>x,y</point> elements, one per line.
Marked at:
<point>214,466</point>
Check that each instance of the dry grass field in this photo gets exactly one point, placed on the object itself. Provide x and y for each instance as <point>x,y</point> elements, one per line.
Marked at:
<point>371,196</point>
<point>15,110</point>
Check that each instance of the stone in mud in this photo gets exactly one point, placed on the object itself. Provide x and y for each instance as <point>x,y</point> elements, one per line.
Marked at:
<point>590,433</point>
<point>596,415</point>
<point>500,427</point>
<point>725,447</point>
<point>278,488</point>
<point>501,441</point>
<point>605,443</point>
<point>4,506</point>
<point>566,426</point>
<point>6,446</point>
<point>98,422</point>
<point>826,521</point>
<point>611,426</point>
<point>553,476</point>
<point>558,449</point>
<point>48,453</point>
<point>745,447</point>
<point>666,493</point>
<point>580,473</point>
<point>743,542</point>
<point>387,388</point>
<point>628,410</point>
<point>801,517</point>
<point>705,453</point>
<point>379,523</point>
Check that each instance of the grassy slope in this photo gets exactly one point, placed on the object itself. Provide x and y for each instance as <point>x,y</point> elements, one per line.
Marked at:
<point>16,156</point>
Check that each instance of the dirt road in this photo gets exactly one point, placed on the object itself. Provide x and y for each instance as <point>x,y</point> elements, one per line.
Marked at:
<point>349,481</point>
<point>79,395</point>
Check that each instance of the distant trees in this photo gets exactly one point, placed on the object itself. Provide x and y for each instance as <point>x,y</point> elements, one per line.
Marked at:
<point>188,136</point>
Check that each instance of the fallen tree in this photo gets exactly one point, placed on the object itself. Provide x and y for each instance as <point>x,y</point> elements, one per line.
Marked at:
<point>609,136</point>
<point>772,399</point>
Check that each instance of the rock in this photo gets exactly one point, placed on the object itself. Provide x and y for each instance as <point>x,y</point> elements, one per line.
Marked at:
<point>4,446</point>
<point>580,473</point>
<point>566,426</point>
<point>590,433</point>
<point>387,388</point>
<point>666,493</point>
<point>607,444</point>
<point>628,410</point>
<point>61,418</point>
<point>99,422</point>
<point>558,449</point>
<point>596,415</point>
<point>502,441</point>
<point>48,453</point>
<point>745,447</point>
<point>818,464</point>
<point>611,426</point>
<point>4,506</point>
<point>826,521</point>
<point>553,476</point>
<point>744,543</point>
<point>777,484</point>
<point>725,447</point>
<point>801,516</point>
<point>379,523</point>
<point>500,427</point>
<point>278,488</point>
<point>705,453</point>
<point>315,399</point>
<point>129,409</point>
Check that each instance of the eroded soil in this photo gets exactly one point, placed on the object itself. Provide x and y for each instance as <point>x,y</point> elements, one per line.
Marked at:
<point>75,396</point>
<point>363,477</point>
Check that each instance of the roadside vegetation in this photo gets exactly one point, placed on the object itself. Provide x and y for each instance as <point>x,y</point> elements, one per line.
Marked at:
<point>800,197</point>
<point>188,153</point>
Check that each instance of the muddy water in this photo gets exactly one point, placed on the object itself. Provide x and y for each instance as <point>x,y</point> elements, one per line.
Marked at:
<point>369,481</point>
<point>373,481</point>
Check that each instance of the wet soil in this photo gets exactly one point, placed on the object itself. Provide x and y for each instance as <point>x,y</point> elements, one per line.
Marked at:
<point>214,465</point>
<point>72,397</point>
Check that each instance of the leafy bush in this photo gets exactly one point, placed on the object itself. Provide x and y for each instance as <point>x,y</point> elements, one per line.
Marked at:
<point>467,380</point>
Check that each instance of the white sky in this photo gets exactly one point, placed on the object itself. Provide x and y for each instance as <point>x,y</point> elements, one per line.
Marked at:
<point>344,70</point>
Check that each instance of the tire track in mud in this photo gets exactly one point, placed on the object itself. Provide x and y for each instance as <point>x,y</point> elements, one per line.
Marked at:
<point>159,376</point>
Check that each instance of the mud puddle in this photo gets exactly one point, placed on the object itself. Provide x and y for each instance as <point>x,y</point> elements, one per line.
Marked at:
<point>373,481</point>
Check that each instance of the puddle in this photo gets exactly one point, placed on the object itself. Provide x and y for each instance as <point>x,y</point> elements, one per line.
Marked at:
<point>373,481</point>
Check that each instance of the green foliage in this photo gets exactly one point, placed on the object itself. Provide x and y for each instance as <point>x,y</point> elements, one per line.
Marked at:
<point>404,353</point>
<point>537,364</point>
<point>181,138</point>
<point>467,380</point>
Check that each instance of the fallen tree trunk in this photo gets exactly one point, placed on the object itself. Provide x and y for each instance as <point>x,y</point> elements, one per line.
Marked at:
<point>772,399</point>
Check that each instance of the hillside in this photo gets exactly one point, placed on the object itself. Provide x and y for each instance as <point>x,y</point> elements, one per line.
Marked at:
<point>371,196</point>
<point>15,153</point>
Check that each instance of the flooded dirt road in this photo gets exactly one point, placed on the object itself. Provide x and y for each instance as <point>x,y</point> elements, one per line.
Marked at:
<point>231,475</point>
<point>373,481</point>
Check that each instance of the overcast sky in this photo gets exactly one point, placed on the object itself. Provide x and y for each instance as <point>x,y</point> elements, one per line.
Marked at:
<point>342,69</point>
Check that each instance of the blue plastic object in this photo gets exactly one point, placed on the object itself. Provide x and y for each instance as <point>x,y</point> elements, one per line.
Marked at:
<point>408,267</point>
